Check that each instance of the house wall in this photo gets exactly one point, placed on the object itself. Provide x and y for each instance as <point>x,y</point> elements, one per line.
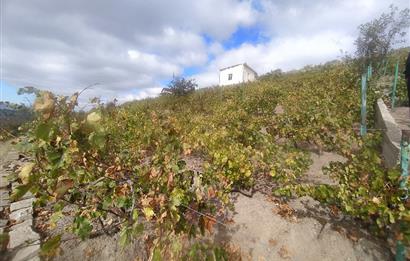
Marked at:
<point>248,75</point>
<point>240,73</point>
<point>237,75</point>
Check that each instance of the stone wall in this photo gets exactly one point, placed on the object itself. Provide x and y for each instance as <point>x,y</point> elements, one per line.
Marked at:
<point>19,240</point>
<point>391,134</point>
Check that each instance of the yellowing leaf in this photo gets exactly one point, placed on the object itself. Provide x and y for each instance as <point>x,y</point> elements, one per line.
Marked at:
<point>376,200</point>
<point>25,172</point>
<point>44,104</point>
<point>148,212</point>
<point>93,118</point>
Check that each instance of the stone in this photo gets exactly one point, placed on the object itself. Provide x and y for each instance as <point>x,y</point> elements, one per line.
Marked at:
<point>14,185</point>
<point>13,155</point>
<point>4,192</point>
<point>27,195</point>
<point>21,214</point>
<point>29,252</point>
<point>22,234</point>
<point>4,202</point>
<point>279,109</point>
<point>25,203</point>
<point>3,222</point>
<point>26,223</point>
<point>4,183</point>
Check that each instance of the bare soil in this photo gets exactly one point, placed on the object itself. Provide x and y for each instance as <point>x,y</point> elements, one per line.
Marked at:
<point>262,227</point>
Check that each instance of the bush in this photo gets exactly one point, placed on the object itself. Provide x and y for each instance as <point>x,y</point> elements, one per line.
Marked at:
<point>180,86</point>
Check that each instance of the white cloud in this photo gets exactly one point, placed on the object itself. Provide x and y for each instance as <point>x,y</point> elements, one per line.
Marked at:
<point>300,33</point>
<point>286,53</point>
<point>142,94</point>
<point>131,47</point>
<point>126,46</point>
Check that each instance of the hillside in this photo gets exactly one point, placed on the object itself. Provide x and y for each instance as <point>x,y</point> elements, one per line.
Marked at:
<point>173,162</point>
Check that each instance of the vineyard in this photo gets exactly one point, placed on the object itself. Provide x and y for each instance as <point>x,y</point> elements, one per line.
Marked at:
<point>154,164</point>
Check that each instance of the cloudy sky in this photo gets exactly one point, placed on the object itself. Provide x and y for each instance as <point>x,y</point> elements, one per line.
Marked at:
<point>133,47</point>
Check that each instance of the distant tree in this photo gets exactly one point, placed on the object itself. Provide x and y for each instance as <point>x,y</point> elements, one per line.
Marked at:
<point>272,74</point>
<point>180,86</point>
<point>378,37</point>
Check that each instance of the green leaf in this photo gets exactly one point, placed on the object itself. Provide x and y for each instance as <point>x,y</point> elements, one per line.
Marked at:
<point>55,217</point>
<point>43,131</point>
<point>177,196</point>
<point>137,229</point>
<point>125,236</point>
<point>97,139</point>
<point>50,247</point>
<point>135,214</point>
<point>156,255</point>
<point>20,191</point>
<point>82,227</point>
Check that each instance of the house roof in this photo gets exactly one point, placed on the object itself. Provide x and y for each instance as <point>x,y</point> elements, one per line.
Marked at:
<point>244,64</point>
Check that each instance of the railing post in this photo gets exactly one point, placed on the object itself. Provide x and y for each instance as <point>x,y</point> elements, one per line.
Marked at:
<point>404,165</point>
<point>396,74</point>
<point>369,71</point>
<point>363,127</point>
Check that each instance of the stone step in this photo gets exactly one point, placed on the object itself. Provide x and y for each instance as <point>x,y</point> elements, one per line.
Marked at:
<point>25,203</point>
<point>28,253</point>
<point>23,234</point>
<point>21,214</point>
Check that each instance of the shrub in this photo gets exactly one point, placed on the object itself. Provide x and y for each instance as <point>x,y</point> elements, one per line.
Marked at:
<point>180,86</point>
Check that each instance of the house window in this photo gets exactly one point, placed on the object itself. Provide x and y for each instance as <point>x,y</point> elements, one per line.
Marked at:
<point>229,76</point>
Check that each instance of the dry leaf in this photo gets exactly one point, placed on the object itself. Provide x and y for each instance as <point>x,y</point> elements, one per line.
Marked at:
<point>273,242</point>
<point>284,252</point>
<point>209,223</point>
<point>62,187</point>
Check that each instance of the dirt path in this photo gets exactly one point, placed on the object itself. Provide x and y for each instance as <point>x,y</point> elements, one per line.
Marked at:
<point>265,229</point>
<point>315,175</point>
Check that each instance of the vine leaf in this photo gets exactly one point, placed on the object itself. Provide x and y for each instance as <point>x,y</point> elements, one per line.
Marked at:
<point>51,246</point>
<point>25,172</point>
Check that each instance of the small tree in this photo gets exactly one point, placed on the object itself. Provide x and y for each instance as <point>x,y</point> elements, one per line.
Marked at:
<point>180,86</point>
<point>377,37</point>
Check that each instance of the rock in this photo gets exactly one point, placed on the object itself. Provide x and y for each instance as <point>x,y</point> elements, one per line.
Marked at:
<point>3,223</point>
<point>27,195</point>
<point>4,183</point>
<point>13,155</point>
<point>12,167</point>
<point>4,194</point>
<point>28,253</point>
<point>22,234</point>
<point>279,109</point>
<point>21,214</point>
<point>14,185</point>
<point>27,223</point>
<point>4,202</point>
<point>26,203</point>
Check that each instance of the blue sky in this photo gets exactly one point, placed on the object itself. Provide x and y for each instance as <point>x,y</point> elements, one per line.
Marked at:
<point>133,48</point>
<point>10,94</point>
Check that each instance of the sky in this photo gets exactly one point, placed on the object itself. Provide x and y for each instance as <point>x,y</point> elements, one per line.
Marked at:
<point>130,49</point>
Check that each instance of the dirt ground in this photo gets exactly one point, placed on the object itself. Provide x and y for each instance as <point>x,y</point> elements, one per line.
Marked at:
<point>265,229</point>
<point>302,229</point>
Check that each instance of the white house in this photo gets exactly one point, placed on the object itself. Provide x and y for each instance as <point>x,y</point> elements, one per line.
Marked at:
<point>236,74</point>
